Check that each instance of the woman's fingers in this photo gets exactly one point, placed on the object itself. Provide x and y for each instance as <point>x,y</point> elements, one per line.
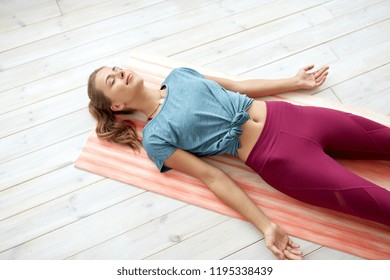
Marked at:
<point>293,244</point>
<point>320,75</point>
<point>321,72</point>
<point>279,254</point>
<point>294,251</point>
<point>289,253</point>
<point>321,80</point>
<point>309,67</point>
<point>291,256</point>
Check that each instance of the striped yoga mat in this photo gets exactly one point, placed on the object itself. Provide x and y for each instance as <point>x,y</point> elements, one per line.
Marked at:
<point>326,227</point>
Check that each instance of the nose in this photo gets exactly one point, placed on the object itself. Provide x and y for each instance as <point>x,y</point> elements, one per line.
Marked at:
<point>121,74</point>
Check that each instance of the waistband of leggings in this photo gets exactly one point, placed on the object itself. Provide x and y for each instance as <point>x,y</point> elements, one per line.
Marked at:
<point>258,148</point>
<point>277,114</point>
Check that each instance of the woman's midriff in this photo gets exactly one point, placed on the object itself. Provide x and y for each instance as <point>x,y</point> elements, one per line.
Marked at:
<point>251,130</point>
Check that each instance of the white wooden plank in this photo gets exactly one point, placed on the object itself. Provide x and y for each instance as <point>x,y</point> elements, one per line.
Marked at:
<point>37,137</point>
<point>292,44</point>
<point>259,251</point>
<point>113,221</point>
<point>256,36</point>
<point>11,5</point>
<point>42,189</point>
<point>325,253</point>
<point>357,89</point>
<point>33,188</point>
<point>86,34</point>
<point>53,26</point>
<point>19,14</point>
<point>340,69</point>
<point>360,62</point>
<point>361,39</point>
<point>256,16</point>
<point>69,6</point>
<point>98,49</point>
<point>155,236</point>
<point>342,7</point>
<point>49,109</point>
<point>214,243</point>
<point>40,162</point>
<point>39,90</point>
<point>63,211</point>
<point>378,102</point>
<point>329,95</point>
<point>288,67</point>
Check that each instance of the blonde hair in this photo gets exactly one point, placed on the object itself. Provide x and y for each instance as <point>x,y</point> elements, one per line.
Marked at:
<point>108,126</point>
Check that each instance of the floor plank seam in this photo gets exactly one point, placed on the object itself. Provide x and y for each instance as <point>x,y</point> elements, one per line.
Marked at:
<point>243,30</point>
<point>192,236</point>
<point>338,98</point>
<point>360,73</point>
<point>78,27</point>
<point>59,7</point>
<point>70,223</point>
<point>42,122</point>
<point>111,34</point>
<point>313,252</point>
<point>41,174</point>
<point>36,196</point>
<point>243,248</point>
<point>52,199</point>
<point>126,232</point>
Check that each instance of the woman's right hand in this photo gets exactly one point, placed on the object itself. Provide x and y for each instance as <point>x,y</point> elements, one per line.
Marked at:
<point>311,80</point>
<point>280,243</point>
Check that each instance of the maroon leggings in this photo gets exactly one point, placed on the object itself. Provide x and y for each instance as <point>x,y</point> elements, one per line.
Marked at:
<point>295,151</point>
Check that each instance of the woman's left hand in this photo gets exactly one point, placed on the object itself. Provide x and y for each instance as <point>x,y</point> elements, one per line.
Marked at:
<point>280,243</point>
<point>310,80</point>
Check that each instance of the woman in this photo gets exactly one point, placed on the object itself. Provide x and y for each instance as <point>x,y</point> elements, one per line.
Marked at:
<point>289,146</point>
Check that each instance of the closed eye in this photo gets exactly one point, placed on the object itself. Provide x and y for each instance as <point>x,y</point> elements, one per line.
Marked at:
<point>112,76</point>
<point>115,69</point>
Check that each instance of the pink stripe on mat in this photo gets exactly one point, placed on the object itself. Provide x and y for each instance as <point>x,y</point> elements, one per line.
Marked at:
<point>329,228</point>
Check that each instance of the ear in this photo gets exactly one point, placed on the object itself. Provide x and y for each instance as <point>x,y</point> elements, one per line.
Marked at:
<point>117,107</point>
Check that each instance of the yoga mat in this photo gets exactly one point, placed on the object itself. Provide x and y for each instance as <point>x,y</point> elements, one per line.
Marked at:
<point>326,227</point>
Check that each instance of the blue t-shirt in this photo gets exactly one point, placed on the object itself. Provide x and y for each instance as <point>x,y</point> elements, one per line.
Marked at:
<point>198,116</point>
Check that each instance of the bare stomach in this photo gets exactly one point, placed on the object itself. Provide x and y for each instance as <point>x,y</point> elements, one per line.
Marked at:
<point>251,130</point>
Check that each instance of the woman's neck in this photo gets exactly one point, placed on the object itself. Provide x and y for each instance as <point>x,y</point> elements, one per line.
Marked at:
<point>148,101</point>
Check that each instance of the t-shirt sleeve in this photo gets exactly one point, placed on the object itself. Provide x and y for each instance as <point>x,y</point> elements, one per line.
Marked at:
<point>159,153</point>
<point>190,71</point>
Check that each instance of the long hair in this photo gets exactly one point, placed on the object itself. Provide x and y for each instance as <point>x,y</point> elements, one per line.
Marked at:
<point>108,126</point>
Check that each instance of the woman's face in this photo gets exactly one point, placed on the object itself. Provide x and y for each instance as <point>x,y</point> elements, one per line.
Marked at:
<point>119,85</point>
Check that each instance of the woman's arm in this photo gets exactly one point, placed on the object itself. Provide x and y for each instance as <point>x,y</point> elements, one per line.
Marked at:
<point>232,195</point>
<point>260,87</point>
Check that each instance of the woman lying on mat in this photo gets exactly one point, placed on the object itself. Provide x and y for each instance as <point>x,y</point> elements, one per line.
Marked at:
<point>289,146</point>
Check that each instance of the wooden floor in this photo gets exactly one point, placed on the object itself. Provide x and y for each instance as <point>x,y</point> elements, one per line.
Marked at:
<point>50,210</point>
